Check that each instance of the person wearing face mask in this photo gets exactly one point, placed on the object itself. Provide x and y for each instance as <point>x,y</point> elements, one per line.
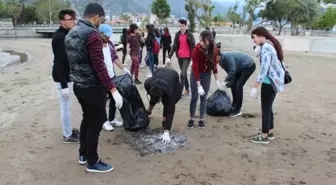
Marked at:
<point>110,58</point>
<point>84,48</point>
<point>61,73</point>
<point>204,57</point>
<point>271,79</point>
<point>164,85</point>
<point>184,43</point>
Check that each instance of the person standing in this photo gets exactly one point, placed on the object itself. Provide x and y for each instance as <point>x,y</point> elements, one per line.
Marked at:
<point>158,41</point>
<point>61,73</point>
<point>123,40</point>
<point>184,42</point>
<point>110,58</point>
<point>166,44</point>
<point>239,68</point>
<point>271,79</point>
<point>133,51</point>
<point>214,33</point>
<point>84,48</point>
<point>204,57</point>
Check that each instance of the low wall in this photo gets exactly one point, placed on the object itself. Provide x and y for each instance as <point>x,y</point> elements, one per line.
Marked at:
<point>21,33</point>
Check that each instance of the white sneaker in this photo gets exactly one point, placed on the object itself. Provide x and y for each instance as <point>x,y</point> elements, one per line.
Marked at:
<point>141,66</point>
<point>149,75</point>
<point>107,126</point>
<point>116,123</point>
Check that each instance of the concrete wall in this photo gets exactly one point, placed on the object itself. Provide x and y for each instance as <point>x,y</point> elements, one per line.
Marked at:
<point>22,33</point>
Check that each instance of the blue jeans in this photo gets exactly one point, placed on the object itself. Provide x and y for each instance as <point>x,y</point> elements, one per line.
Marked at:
<point>205,82</point>
<point>65,104</point>
<point>149,60</point>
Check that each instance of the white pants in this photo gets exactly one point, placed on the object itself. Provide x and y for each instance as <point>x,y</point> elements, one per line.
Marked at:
<point>65,104</point>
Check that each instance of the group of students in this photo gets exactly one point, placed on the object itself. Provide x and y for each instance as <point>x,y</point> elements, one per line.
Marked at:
<point>84,56</point>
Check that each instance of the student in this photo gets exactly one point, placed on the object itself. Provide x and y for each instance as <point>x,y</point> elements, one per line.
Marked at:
<point>149,47</point>
<point>239,68</point>
<point>165,43</point>
<point>164,86</point>
<point>214,33</point>
<point>184,43</point>
<point>142,44</point>
<point>61,73</point>
<point>204,57</point>
<point>158,40</point>
<point>271,79</point>
<point>133,51</point>
<point>110,58</point>
<point>123,40</point>
<point>91,81</point>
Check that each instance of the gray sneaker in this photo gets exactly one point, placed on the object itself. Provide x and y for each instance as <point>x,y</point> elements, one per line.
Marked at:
<point>99,167</point>
<point>71,139</point>
<point>259,139</point>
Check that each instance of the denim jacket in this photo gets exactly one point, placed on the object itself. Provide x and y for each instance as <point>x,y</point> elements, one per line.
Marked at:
<point>271,67</point>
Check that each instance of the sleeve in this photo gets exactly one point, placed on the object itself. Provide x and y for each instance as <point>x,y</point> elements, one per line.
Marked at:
<point>173,49</point>
<point>95,48</point>
<point>215,69</point>
<point>60,61</point>
<point>231,70</point>
<point>193,43</point>
<point>114,55</point>
<point>265,64</point>
<point>169,39</point>
<point>195,64</point>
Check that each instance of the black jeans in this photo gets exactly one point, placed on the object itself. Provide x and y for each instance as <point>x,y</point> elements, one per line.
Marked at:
<point>112,107</point>
<point>156,59</point>
<point>124,54</point>
<point>184,65</point>
<point>267,98</point>
<point>164,54</point>
<point>237,87</point>
<point>92,101</point>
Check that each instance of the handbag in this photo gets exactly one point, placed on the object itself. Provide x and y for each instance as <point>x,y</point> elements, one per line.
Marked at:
<point>288,77</point>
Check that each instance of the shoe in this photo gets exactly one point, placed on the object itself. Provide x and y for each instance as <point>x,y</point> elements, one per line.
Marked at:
<point>99,167</point>
<point>259,139</point>
<point>141,65</point>
<point>137,81</point>
<point>82,160</point>
<point>75,131</point>
<point>271,136</point>
<point>149,75</point>
<point>201,124</point>
<point>116,123</point>
<point>107,126</point>
<point>71,139</point>
<point>235,113</point>
<point>190,124</point>
<point>185,92</point>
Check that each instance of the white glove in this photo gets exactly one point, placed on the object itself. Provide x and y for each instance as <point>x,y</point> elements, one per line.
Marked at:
<point>126,71</point>
<point>165,137</point>
<point>65,93</point>
<point>119,46</point>
<point>118,99</point>
<point>218,84</point>
<point>254,92</point>
<point>168,61</point>
<point>201,91</point>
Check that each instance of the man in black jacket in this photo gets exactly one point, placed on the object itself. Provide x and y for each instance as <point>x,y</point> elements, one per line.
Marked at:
<point>239,68</point>
<point>164,86</point>
<point>184,43</point>
<point>60,73</point>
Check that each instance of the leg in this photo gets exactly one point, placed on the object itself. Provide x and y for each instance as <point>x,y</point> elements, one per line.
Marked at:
<point>241,80</point>
<point>194,96</point>
<point>164,56</point>
<point>156,59</point>
<point>80,94</point>
<point>140,58</point>
<point>112,108</point>
<point>234,95</point>
<point>184,74</point>
<point>135,63</point>
<point>267,98</point>
<point>205,82</point>
<point>65,104</point>
<point>124,55</point>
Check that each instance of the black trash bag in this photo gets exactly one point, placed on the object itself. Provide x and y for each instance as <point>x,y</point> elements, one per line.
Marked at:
<point>133,111</point>
<point>219,104</point>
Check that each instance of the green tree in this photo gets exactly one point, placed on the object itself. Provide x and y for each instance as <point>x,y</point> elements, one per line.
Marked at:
<point>327,21</point>
<point>250,8</point>
<point>47,13</point>
<point>219,18</point>
<point>327,1</point>
<point>29,15</point>
<point>3,12</point>
<point>125,17</point>
<point>235,17</point>
<point>191,8</point>
<point>14,10</point>
<point>161,9</point>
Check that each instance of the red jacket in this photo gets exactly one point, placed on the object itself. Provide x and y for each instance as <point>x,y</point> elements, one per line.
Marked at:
<point>200,62</point>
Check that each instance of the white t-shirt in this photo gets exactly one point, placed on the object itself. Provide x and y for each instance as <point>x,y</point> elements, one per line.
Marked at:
<point>108,60</point>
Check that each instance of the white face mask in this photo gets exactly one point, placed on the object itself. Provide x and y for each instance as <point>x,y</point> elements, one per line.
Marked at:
<point>257,50</point>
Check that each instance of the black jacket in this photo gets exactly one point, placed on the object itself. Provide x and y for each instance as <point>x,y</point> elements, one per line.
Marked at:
<point>234,63</point>
<point>176,44</point>
<point>60,71</point>
<point>165,41</point>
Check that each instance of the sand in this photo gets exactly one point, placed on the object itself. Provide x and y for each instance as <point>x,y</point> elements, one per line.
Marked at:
<point>304,151</point>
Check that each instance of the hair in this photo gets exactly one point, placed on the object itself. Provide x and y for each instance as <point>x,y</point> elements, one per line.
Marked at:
<point>124,34</point>
<point>155,94</point>
<point>210,50</point>
<point>156,32</point>
<point>133,27</point>
<point>261,31</point>
<point>64,12</point>
<point>166,31</point>
<point>207,28</point>
<point>183,21</point>
<point>93,9</point>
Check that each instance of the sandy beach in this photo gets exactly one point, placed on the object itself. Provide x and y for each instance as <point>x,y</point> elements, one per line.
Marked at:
<point>304,151</point>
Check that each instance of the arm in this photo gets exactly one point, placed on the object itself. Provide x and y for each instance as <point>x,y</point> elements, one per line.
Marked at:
<point>231,70</point>
<point>114,56</point>
<point>193,43</point>
<point>195,65</point>
<point>61,62</point>
<point>95,48</point>
<point>215,69</point>
<point>265,64</point>
<point>173,49</point>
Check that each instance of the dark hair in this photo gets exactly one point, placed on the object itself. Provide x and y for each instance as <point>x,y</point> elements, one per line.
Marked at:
<point>183,21</point>
<point>210,50</point>
<point>148,26</point>
<point>64,12</point>
<point>166,31</point>
<point>93,9</point>
<point>155,94</point>
<point>261,31</point>
<point>207,28</point>
<point>133,27</point>
<point>156,32</point>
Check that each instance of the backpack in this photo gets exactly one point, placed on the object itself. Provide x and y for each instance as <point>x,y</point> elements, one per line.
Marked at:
<point>156,47</point>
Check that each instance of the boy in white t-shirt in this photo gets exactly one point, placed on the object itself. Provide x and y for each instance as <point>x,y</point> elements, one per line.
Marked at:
<point>110,57</point>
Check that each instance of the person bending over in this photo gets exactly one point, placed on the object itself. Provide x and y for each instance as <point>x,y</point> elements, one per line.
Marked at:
<point>164,85</point>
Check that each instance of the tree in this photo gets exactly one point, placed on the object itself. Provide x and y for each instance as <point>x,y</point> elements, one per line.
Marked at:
<point>3,12</point>
<point>250,7</point>
<point>29,15</point>
<point>43,13</point>
<point>218,18</point>
<point>191,8</point>
<point>235,17</point>
<point>14,10</point>
<point>327,21</point>
<point>161,9</point>
<point>125,17</point>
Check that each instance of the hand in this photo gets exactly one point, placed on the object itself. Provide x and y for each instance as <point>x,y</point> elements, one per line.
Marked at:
<point>117,98</point>
<point>119,46</point>
<point>165,138</point>
<point>254,92</point>
<point>65,93</point>
<point>201,91</point>
<point>218,84</point>
<point>126,71</point>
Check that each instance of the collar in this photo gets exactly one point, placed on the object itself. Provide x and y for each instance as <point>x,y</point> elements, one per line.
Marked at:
<point>62,29</point>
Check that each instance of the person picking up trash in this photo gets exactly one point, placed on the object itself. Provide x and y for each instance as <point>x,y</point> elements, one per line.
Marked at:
<point>164,85</point>
<point>239,67</point>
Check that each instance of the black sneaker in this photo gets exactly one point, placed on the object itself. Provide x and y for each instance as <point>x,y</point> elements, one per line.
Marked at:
<point>137,81</point>
<point>235,113</point>
<point>82,160</point>
<point>71,139</point>
<point>271,136</point>
<point>75,131</point>
<point>190,124</point>
<point>259,139</point>
<point>201,124</point>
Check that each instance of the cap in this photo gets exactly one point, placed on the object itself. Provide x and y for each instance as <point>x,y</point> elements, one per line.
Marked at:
<point>106,29</point>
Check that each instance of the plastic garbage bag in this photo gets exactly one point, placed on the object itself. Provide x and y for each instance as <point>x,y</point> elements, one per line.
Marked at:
<point>133,111</point>
<point>219,104</point>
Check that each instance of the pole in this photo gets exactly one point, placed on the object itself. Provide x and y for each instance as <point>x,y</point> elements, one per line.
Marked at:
<point>49,13</point>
